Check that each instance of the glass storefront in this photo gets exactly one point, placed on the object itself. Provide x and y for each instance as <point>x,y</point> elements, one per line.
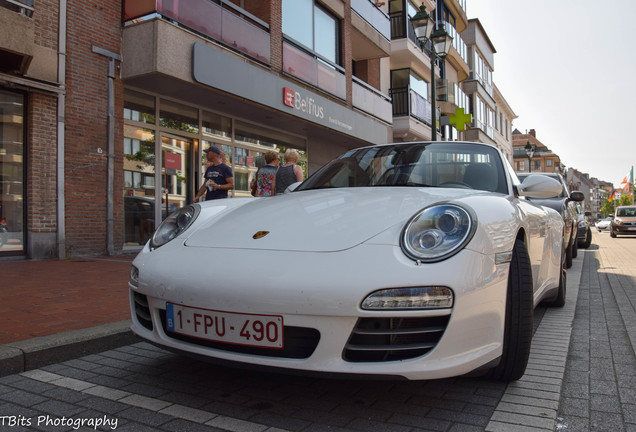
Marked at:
<point>173,135</point>
<point>12,118</point>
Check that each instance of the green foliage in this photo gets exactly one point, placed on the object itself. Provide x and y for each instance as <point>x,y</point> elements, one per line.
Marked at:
<point>145,155</point>
<point>609,207</point>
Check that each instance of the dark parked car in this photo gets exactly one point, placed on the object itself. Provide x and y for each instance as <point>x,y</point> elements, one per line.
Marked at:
<point>564,203</point>
<point>139,216</point>
<point>584,229</point>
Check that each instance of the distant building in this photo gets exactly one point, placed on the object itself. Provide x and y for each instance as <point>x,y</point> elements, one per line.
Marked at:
<point>543,159</point>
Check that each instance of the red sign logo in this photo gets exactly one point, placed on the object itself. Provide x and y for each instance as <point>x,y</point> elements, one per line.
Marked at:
<point>288,97</point>
<point>172,160</point>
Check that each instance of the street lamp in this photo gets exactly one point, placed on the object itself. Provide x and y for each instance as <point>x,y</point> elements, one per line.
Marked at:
<point>441,42</point>
<point>530,148</point>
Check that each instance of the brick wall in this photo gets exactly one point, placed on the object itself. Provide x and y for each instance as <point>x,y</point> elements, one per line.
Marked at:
<point>91,23</point>
<point>276,35</point>
<point>41,164</point>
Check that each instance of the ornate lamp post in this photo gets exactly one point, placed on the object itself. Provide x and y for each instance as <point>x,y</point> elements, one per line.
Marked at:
<point>441,42</point>
<point>530,149</point>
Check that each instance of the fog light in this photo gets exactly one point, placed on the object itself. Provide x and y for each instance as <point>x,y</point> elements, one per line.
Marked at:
<point>433,297</point>
<point>134,276</point>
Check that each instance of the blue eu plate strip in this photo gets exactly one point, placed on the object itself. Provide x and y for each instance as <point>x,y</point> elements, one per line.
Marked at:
<point>170,316</point>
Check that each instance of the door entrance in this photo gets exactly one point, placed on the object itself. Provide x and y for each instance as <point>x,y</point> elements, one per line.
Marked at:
<point>152,190</point>
<point>176,174</point>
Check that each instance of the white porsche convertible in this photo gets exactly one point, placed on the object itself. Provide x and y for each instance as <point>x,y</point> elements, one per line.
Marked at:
<point>416,260</point>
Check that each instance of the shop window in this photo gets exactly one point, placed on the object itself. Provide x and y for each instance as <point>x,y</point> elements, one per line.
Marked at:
<point>139,185</point>
<point>241,180</point>
<point>216,125</point>
<point>179,117</point>
<point>12,120</point>
<point>139,107</point>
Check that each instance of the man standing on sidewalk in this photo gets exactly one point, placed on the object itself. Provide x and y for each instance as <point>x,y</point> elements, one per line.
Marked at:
<point>218,177</point>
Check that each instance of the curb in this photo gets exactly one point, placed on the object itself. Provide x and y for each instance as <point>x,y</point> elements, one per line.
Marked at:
<point>16,357</point>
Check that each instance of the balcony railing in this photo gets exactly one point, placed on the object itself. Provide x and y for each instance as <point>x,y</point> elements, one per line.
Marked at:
<point>371,101</point>
<point>24,7</point>
<point>487,129</point>
<point>401,27</point>
<point>407,102</point>
<point>445,90</point>
<point>314,70</point>
<point>226,23</point>
<point>369,12</point>
<point>458,43</point>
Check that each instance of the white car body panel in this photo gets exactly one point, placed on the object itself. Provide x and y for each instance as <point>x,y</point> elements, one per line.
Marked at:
<point>327,250</point>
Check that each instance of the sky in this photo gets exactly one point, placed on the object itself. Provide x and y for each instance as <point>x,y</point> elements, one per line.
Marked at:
<point>566,68</point>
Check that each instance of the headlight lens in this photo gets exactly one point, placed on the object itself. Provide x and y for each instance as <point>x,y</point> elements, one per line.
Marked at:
<point>134,275</point>
<point>432,297</point>
<point>173,225</point>
<point>437,232</point>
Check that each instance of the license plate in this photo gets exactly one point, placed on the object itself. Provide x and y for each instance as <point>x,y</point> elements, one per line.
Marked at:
<point>230,327</point>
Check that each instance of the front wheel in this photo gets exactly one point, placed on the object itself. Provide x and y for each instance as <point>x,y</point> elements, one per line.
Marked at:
<point>612,235</point>
<point>559,301</point>
<point>588,239</point>
<point>568,255</point>
<point>519,317</point>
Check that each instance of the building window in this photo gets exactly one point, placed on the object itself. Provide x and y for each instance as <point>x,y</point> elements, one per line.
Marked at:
<point>179,117</point>
<point>139,107</point>
<point>548,162</point>
<point>305,22</point>
<point>12,121</point>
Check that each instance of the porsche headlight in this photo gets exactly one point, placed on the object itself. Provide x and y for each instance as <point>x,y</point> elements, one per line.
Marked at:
<point>437,232</point>
<point>173,225</point>
<point>430,297</point>
<point>134,276</point>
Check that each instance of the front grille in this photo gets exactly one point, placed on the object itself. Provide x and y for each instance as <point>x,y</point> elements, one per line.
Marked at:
<point>391,339</point>
<point>142,310</point>
<point>298,342</point>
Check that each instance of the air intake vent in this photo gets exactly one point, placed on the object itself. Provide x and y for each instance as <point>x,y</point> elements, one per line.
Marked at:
<point>142,310</point>
<point>391,339</point>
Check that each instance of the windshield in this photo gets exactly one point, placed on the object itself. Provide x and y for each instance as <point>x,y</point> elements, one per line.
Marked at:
<point>456,165</point>
<point>626,211</point>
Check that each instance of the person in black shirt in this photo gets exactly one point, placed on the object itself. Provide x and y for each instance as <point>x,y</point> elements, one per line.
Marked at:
<point>218,177</point>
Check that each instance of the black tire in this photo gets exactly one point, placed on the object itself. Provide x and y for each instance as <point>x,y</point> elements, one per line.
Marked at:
<point>612,235</point>
<point>588,239</point>
<point>575,247</point>
<point>568,255</point>
<point>519,318</point>
<point>559,301</point>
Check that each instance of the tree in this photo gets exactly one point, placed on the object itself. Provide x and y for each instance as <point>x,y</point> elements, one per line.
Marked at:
<point>609,207</point>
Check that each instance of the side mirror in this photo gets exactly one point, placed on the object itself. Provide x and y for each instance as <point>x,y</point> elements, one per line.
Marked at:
<point>539,187</point>
<point>577,196</point>
<point>292,187</point>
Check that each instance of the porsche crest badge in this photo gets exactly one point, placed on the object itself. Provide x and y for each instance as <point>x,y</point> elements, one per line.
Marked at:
<point>260,234</point>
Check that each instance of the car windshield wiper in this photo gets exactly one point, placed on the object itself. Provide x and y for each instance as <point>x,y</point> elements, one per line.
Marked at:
<point>410,184</point>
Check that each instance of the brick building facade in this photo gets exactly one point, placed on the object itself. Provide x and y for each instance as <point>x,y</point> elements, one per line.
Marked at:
<point>77,76</point>
<point>106,107</point>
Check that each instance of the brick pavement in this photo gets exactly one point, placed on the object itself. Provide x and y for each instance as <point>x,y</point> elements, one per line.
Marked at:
<point>599,389</point>
<point>591,387</point>
<point>40,298</point>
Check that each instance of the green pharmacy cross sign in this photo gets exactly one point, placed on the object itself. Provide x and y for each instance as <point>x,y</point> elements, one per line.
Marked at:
<point>459,119</point>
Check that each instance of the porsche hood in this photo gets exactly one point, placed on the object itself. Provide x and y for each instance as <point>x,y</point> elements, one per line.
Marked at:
<point>315,221</point>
